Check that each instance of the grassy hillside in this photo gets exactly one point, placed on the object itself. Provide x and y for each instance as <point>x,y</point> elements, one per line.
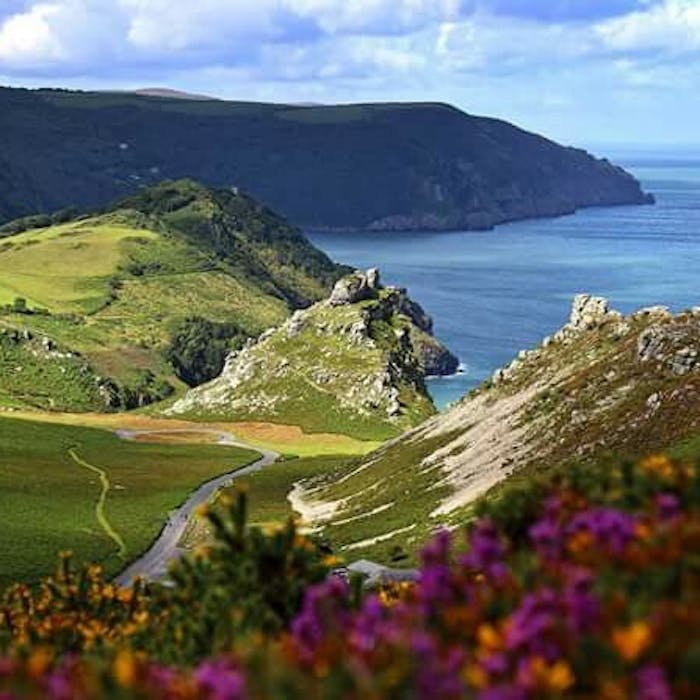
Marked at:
<point>111,290</point>
<point>48,496</point>
<point>385,166</point>
<point>604,385</point>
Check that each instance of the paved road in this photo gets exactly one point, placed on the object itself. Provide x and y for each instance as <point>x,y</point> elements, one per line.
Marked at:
<point>154,563</point>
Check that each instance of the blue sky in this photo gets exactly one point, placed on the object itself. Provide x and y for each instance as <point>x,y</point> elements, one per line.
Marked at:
<point>580,71</point>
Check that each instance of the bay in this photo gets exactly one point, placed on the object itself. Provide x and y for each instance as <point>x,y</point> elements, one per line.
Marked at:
<point>496,292</point>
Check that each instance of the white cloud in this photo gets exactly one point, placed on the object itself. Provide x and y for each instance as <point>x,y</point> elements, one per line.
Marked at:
<point>672,26</point>
<point>28,36</point>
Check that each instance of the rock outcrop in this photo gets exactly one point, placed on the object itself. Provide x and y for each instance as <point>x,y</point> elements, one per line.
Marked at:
<point>355,362</point>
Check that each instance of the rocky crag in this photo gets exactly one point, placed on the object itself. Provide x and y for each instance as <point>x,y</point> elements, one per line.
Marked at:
<point>605,383</point>
<point>354,363</point>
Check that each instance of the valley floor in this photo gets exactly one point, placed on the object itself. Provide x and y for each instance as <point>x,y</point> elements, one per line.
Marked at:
<point>69,482</point>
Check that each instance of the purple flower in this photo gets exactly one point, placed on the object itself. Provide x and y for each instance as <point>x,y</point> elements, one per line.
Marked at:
<point>546,535</point>
<point>486,551</point>
<point>502,692</point>
<point>325,611</point>
<point>667,505</point>
<point>58,686</point>
<point>532,623</point>
<point>652,684</point>
<point>220,681</point>
<point>609,527</point>
<point>581,604</point>
<point>437,551</point>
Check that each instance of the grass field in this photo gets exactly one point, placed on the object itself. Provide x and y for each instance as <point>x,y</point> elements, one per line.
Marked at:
<point>288,440</point>
<point>64,268</point>
<point>51,487</point>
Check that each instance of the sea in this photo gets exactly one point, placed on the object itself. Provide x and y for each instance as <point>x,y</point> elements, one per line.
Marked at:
<point>496,292</point>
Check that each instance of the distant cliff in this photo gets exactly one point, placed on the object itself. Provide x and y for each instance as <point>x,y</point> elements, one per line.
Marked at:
<point>382,166</point>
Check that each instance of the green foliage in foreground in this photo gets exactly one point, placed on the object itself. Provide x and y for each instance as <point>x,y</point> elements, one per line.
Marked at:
<point>48,501</point>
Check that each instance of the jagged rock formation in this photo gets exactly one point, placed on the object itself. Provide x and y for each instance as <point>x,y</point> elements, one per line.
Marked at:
<point>603,383</point>
<point>347,364</point>
<point>346,167</point>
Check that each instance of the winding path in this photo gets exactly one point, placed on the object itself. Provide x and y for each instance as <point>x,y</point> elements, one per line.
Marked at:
<point>100,504</point>
<point>153,564</point>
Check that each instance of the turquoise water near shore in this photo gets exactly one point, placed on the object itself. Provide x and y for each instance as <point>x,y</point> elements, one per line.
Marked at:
<point>494,293</point>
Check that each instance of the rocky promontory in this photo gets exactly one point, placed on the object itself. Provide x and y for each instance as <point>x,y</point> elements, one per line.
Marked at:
<point>354,363</point>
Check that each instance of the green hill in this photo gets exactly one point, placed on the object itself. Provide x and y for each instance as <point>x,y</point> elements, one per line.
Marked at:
<point>169,279</point>
<point>382,166</point>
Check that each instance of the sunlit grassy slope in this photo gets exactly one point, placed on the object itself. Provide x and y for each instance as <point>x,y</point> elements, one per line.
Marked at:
<point>113,288</point>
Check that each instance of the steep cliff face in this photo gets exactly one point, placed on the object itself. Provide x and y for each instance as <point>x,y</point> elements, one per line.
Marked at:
<point>603,383</point>
<point>381,166</point>
<point>348,365</point>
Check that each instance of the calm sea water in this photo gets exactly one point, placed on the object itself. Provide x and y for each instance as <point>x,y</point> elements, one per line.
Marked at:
<point>494,293</point>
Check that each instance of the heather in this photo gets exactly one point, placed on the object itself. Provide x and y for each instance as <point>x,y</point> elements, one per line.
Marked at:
<point>585,584</point>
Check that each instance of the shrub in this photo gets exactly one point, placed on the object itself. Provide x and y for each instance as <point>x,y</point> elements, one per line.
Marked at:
<point>199,347</point>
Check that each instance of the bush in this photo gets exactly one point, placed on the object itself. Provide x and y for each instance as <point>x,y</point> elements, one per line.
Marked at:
<point>199,347</point>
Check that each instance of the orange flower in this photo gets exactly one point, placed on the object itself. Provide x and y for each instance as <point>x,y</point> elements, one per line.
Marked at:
<point>660,465</point>
<point>631,641</point>
<point>489,638</point>
<point>476,676</point>
<point>38,662</point>
<point>580,542</point>
<point>555,678</point>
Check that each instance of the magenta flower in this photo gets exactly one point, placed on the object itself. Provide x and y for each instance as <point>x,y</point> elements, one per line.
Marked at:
<point>220,681</point>
<point>667,506</point>
<point>486,551</point>
<point>652,684</point>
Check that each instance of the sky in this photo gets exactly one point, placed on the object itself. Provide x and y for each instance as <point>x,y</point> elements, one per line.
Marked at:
<point>582,71</point>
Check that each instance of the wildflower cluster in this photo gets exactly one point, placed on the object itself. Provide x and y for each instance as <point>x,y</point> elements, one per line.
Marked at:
<point>72,611</point>
<point>585,586</point>
<point>596,593</point>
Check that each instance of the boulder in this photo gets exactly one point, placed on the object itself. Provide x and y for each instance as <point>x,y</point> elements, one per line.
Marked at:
<point>357,287</point>
<point>588,312</point>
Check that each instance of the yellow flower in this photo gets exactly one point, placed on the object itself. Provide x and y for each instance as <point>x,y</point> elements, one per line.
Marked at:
<point>202,511</point>
<point>630,642</point>
<point>124,669</point>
